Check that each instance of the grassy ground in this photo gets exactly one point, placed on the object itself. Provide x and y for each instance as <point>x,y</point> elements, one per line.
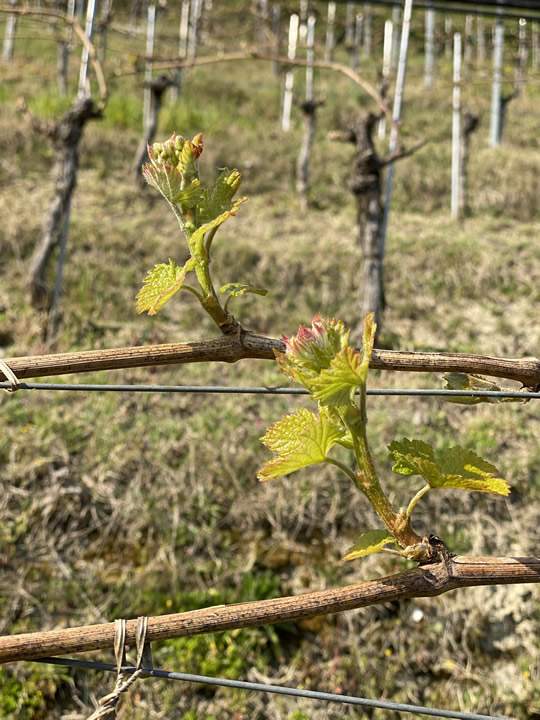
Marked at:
<point>117,505</point>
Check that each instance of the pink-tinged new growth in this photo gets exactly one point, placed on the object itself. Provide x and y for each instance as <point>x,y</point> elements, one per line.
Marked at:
<point>311,350</point>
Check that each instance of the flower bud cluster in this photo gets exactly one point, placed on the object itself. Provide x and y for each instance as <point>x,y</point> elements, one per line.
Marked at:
<point>179,153</point>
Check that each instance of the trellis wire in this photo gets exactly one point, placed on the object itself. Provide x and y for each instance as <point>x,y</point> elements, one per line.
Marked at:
<point>276,689</point>
<point>247,390</point>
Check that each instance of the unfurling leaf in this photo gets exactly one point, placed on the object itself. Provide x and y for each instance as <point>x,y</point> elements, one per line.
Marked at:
<point>311,350</point>
<point>452,468</point>
<point>336,385</point>
<point>298,441</point>
<point>201,231</point>
<point>237,289</point>
<point>162,282</point>
<point>467,381</point>
<point>214,203</point>
<point>370,542</point>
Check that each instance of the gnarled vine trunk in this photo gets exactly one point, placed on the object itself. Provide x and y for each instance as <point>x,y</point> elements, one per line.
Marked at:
<point>66,136</point>
<point>365,184</point>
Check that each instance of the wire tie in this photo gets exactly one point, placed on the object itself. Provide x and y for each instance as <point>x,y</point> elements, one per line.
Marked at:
<point>144,648</point>
<point>10,376</point>
<point>107,704</point>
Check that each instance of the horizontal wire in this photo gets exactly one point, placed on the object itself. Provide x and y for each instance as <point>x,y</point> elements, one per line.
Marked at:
<point>276,689</point>
<point>223,389</point>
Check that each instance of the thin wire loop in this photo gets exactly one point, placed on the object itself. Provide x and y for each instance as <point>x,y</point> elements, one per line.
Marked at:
<point>10,375</point>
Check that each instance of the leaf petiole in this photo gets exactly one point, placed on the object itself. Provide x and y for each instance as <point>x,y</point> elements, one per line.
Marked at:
<point>346,469</point>
<point>415,499</point>
<point>194,291</point>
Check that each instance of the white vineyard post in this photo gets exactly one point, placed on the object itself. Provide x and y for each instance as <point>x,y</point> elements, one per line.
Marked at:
<point>456,118</point>
<point>310,56</point>
<point>429,40</point>
<point>480,39</point>
<point>387,64</point>
<point>289,76</point>
<point>182,49</point>
<point>358,27</point>
<point>396,114</point>
<point>329,48</point>
<point>367,30</point>
<point>9,36</point>
<point>193,34</point>
<point>150,29</point>
<point>498,50</point>
<point>396,17</point>
<point>84,87</point>
<point>184,29</point>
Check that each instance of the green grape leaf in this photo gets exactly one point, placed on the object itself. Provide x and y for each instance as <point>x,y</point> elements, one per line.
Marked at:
<point>370,542</point>
<point>216,202</point>
<point>200,232</point>
<point>455,467</point>
<point>298,441</point>
<point>162,282</point>
<point>237,289</point>
<point>164,177</point>
<point>467,381</point>
<point>336,385</point>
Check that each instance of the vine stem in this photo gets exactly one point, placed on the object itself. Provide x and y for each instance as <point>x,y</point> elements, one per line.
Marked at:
<point>447,573</point>
<point>233,347</point>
